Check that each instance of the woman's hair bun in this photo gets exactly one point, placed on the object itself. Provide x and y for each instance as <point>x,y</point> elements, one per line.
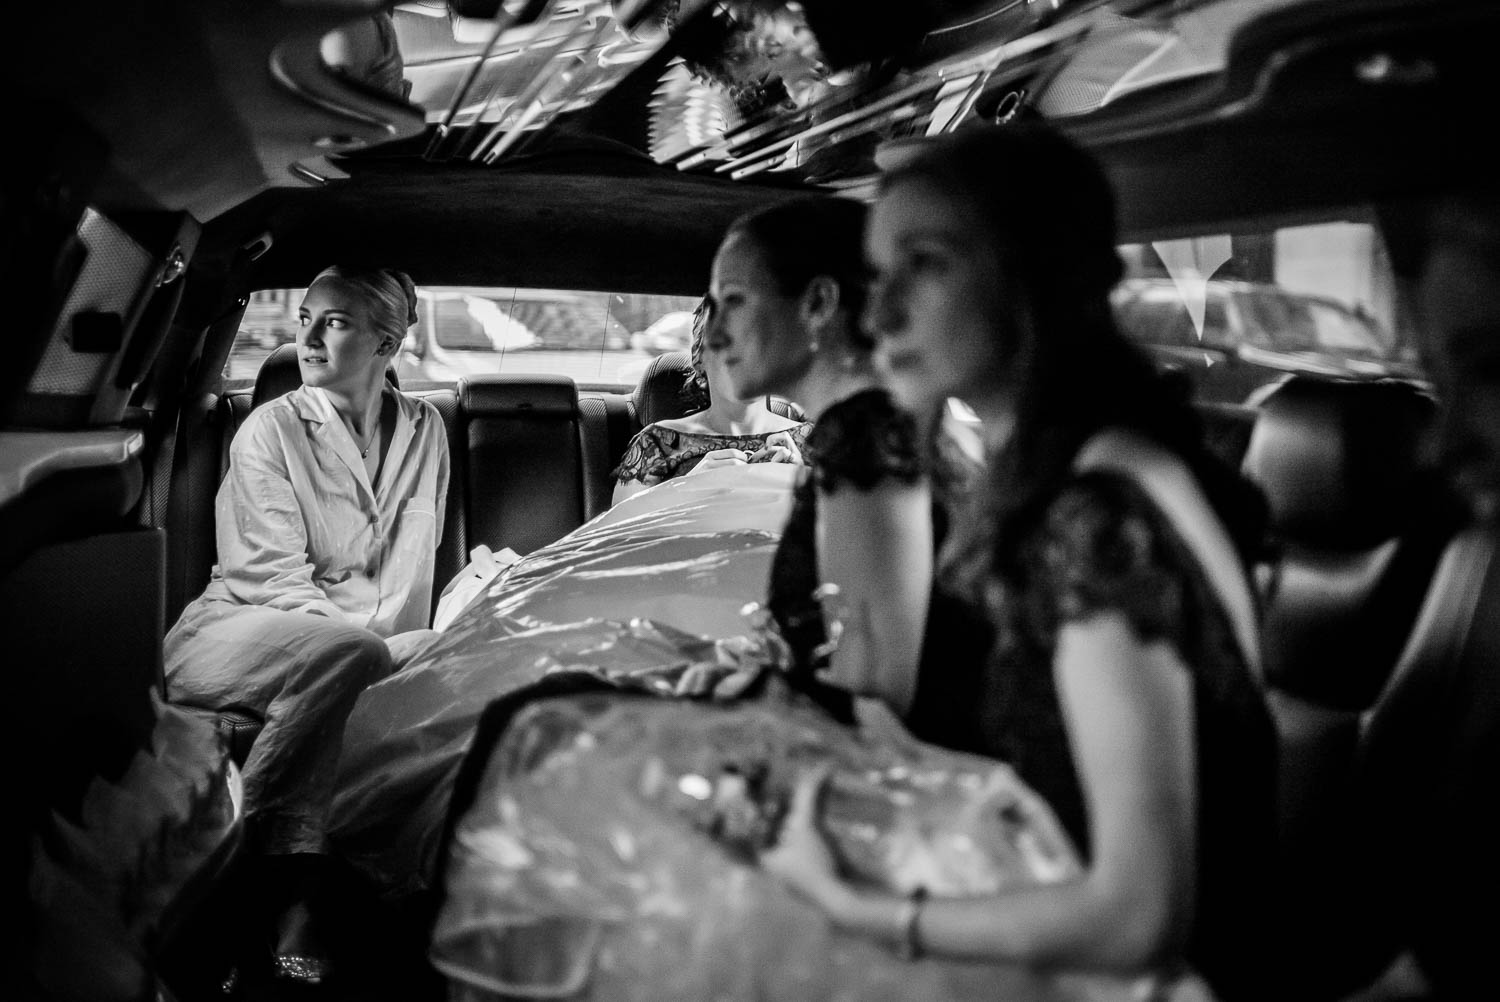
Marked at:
<point>410,288</point>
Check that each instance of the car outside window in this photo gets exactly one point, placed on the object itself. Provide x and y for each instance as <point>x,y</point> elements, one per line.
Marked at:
<point>1239,312</point>
<point>599,339</point>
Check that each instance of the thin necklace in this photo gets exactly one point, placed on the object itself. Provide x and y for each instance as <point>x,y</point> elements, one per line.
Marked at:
<point>364,452</point>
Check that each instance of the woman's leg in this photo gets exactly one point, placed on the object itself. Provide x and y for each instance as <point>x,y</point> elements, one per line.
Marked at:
<point>302,673</point>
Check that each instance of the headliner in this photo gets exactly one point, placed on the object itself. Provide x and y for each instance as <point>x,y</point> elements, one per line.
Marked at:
<point>586,215</point>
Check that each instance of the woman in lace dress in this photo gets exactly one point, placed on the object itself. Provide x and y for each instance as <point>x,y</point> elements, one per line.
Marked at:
<point>1103,553</point>
<point>723,429</point>
<point>786,294</point>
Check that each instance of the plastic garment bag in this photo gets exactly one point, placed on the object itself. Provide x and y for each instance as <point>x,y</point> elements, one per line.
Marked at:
<point>610,854</point>
<point>646,586</point>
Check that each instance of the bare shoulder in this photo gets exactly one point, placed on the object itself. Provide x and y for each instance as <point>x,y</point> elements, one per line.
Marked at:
<point>691,424</point>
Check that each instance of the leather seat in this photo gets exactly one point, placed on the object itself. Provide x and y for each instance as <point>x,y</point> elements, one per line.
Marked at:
<point>1359,519</point>
<point>1427,776</point>
<point>523,446</point>
<point>658,396</point>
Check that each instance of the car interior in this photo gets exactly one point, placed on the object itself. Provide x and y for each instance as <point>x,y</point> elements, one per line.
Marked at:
<point>174,161</point>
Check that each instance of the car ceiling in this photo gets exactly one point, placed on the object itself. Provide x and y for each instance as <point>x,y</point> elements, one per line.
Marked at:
<point>223,109</point>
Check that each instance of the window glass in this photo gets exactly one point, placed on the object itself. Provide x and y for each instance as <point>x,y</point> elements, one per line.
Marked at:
<point>603,339</point>
<point>1239,312</point>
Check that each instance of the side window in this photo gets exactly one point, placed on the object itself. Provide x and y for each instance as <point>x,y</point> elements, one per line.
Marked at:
<point>1260,305</point>
<point>270,321</point>
<point>599,339</point>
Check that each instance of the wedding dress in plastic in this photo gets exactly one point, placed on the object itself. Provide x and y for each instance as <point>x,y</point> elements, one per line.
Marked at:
<point>609,852</point>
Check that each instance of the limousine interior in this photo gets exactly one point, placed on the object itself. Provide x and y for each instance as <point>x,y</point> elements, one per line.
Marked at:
<point>555,176</point>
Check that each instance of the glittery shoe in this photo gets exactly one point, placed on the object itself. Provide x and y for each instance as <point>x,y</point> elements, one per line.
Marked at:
<point>299,969</point>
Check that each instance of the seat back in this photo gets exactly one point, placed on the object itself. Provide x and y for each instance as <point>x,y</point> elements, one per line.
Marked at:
<point>1353,508</point>
<point>1428,775</point>
<point>658,396</point>
<point>524,451</point>
<point>1359,521</point>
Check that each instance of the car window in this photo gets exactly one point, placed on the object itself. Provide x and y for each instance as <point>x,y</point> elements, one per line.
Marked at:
<point>599,339</point>
<point>1237,312</point>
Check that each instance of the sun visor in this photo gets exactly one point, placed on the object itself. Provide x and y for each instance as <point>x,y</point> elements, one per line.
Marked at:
<point>98,350</point>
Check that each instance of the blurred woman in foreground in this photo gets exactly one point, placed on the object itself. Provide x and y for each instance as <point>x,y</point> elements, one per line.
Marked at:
<point>1105,553</point>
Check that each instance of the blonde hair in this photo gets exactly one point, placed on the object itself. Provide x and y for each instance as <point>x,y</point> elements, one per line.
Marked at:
<point>390,294</point>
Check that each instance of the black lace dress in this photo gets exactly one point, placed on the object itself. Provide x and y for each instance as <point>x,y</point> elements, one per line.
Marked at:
<point>1103,545</point>
<point>985,682</point>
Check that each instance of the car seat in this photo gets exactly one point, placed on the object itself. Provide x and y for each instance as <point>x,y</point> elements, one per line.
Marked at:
<point>1427,775</point>
<point>1359,520</point>
<point>658,396</point>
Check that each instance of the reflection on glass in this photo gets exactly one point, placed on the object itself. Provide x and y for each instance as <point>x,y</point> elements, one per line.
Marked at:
<point>1237,313</point>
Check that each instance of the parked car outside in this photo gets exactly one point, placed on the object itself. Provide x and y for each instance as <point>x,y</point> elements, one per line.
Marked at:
<point>673,332</point>
<point>1255,334</point>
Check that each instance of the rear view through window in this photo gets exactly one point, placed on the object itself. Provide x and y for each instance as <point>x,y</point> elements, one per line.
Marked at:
<point>596,338</point>
<point>1237,313</point>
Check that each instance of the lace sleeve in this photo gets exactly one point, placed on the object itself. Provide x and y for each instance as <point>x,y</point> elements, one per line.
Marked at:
<point>646,459</point>
<point>1102,548</point>
<point>863,441</point>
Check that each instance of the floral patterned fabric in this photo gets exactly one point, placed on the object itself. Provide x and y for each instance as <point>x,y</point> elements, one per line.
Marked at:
<point>660,453</point>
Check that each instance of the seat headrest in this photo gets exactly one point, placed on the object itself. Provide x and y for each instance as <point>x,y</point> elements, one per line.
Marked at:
<point>1340,462</point>
<point>279,375</point>
<point>507,395</point>
<point>658,396</point>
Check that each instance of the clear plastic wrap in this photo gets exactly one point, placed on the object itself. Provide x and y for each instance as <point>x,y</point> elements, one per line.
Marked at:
<point>109,886</point>
<point>671,568</point>
<point>610,854</point>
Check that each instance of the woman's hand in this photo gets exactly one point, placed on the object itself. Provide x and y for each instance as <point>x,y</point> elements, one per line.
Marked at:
<point>802,858</point>
<point>717,681</point>
<point>720,458</point>
<point>780,447</point>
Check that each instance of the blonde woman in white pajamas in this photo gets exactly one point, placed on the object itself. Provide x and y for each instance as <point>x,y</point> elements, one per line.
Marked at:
<point>328,521</point>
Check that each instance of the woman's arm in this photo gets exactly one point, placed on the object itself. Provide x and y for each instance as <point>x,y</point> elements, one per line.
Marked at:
<point>1127,705</point>
<point>641,465</point>
<point>876,545</point>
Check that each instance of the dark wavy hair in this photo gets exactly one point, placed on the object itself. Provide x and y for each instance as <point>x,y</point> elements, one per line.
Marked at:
<point>1049,213</point>
<point>390,294</point>
<point>804,238</point>
<point>695,394</point>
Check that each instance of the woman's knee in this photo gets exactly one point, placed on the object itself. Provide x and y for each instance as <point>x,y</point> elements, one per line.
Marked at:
<point>349,651</point>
